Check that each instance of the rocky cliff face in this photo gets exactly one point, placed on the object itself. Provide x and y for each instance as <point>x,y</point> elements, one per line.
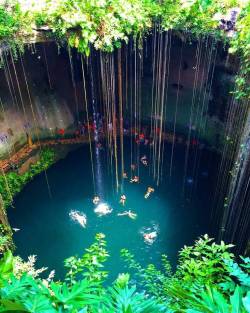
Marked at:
<point>34,100</point>
<point>38,97</point>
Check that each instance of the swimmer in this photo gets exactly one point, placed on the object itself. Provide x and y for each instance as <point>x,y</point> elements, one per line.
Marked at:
<point>102,209</point>
<point>133,166</point>
<point>129,213</point>
<point>148,193</point>
<point>134,180</point>
<point>123,199</point>
<point>125,175</point>
<point>144,160</point>
<point>190,180</point>
<point>78,217</point>
<point>96,200</point>
<point>150,237</point>
<point>99,145</point>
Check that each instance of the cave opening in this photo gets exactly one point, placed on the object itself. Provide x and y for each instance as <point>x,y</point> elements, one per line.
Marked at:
<point>156,110</point>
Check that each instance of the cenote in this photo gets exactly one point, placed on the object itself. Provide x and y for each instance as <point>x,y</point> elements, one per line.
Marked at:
<point>124,156</point>
<point>47,230</point>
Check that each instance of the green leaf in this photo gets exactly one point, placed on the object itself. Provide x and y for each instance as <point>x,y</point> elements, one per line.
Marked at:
<point>235,301</point>
<point>246,302</point>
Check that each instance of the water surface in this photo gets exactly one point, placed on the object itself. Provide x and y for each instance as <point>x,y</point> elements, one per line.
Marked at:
<point>47,230</point>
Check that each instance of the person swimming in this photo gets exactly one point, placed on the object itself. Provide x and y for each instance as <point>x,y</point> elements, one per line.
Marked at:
<point>150,238</point>
<point>102,209</point>
<point>123,199</point>
<point>78,217</point>
<point>99,146</point>
<point>144,160</point>
<point>135,179</point>
<point>133,167</point>
<point>190,180</point>
<point>148,193</point>
<point>125,175</point>
<point>96,200</point>
<point>128,213</point>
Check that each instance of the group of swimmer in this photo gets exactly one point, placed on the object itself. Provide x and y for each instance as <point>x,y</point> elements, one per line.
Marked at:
<point>102,209</point>
<point>123,198</point>
<point>135,179</point>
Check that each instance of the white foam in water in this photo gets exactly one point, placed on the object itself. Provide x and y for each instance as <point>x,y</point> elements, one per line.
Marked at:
<point>78,217</point>
<point>102,209</point>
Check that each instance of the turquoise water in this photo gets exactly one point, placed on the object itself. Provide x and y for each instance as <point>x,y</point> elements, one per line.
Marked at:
<point>47,231</point>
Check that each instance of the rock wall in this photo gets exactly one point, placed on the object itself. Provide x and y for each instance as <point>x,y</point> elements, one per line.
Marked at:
<point>38,98</point>
<point>32,102</point>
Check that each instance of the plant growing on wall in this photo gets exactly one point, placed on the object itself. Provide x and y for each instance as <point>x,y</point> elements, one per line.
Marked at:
<point>12,182</point>
<point>104,24</point>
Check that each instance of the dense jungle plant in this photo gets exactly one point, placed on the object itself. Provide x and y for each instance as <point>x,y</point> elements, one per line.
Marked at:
<point>84,288</point>
<point>87,294</point>
<point>5,238</point>
<point>207,279</point>
<point>204,262</point>
<point>105,24</point>
<point>11,183</point>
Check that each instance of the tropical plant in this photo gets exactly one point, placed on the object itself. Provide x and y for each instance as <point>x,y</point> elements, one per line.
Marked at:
<point>210,300</point>
<point>204,262</point>
<point>26,293</point>
<point>105,24</point>
<point>12,183</point>
<point>83,289</point>
<point>90,264</point>
<point>149,278</point>
<point>5,238</point>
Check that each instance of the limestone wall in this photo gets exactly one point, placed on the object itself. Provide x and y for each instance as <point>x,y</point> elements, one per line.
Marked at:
<point>38,98</point>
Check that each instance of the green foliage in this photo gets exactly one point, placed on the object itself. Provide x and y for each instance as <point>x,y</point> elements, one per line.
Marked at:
<point>204,262</point>
<point>8,22</point>
<point>6,267</point>
<point>101,23</point>
<point>29,294</point>
<point>76,296</point>
<point>240,272</point>
<point>105,24</point>
<point>90,264</point>
<point>159,290</point>
<point>241,44</point>
<point>5,237</point>
<point>207,279</point>
<point>127,300</point>
<point>13,24</point>
<point>12,182</point>
<point>210,300</point>
<point>149,278</point>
